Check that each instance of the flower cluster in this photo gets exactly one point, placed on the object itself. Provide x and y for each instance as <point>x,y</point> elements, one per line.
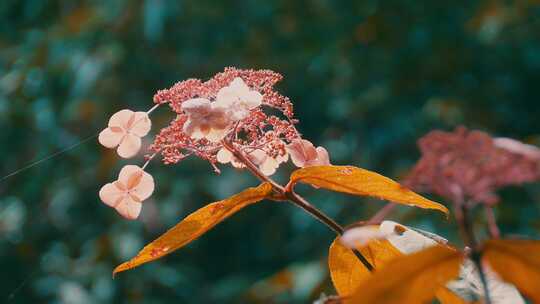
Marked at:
<point>236,106</point>
<point>469,165</point>
<point>236,111</point>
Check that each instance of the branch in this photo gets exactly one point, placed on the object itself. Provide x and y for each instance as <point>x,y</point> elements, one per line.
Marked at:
<point>466,229</point>
<point>288,194</point>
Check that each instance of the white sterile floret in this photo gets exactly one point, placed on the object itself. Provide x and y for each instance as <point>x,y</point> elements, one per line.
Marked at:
<point>238,99</point>
<point>124,131</point>
<point>405,239</point>
<point>127,193</point>
<point>304,154</point>
<point>469,286</point>
<point>361,236</point>
<point>225,156</point>
<point>268,165</point>
<point>205,120</point>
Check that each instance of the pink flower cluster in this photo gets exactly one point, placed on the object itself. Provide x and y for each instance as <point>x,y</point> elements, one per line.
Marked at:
<point>239,106</point>
<point>469,165</point>
<point>235,110</point>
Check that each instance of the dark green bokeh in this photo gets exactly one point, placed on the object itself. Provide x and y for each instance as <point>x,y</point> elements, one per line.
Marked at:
<point>367,78</point>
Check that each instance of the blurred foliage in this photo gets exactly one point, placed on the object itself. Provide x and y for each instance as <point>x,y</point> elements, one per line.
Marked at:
<point>367,78</point>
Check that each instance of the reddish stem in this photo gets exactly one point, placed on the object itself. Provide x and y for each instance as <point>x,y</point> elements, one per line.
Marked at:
<point>288,194</point>
<point>381,214</point>
<point>492,223</point>
<point>463,217</point>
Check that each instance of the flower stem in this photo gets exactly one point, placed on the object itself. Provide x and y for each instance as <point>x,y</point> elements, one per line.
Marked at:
<point>492,223</point>
<point>152,109</point>
<point>148,161</point>
<point>381,214</point>
<point>466,229</point>
<point>287,194</point>
<point>477,259</point>
<point>329,222</point>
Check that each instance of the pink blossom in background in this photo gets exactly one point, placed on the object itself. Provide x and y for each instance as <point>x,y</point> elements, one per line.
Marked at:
<point>517,147</point>
<point>304,154</point>
<point>128,192</point>
<point>124,131</point>
<point>468,165</point>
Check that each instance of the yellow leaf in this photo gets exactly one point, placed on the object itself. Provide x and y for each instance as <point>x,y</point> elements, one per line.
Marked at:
<point>413,278</point>
<point>347,272</point>
<point>196,224</point>
<point>517,262</point>
<point>357,181</point>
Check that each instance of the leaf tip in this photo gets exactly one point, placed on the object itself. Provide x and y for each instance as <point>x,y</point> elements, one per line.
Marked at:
<point>444,210</point>
<point>437,206</point>
<point>120,268</point>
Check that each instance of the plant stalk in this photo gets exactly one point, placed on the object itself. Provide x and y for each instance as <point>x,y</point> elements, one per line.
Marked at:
<point>381,214</point>
<point>286,194</point>
<point>466,230</point>
<point>492,223</point>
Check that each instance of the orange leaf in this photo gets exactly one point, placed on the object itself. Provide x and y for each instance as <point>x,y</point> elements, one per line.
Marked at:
<point>413,278</point>
<point>196,224</point>
<point>357,181</point>
<point>347,272</point>
<point>517,262</point>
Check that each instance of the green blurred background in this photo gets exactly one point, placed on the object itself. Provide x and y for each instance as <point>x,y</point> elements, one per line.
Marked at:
<point>367,77</point>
